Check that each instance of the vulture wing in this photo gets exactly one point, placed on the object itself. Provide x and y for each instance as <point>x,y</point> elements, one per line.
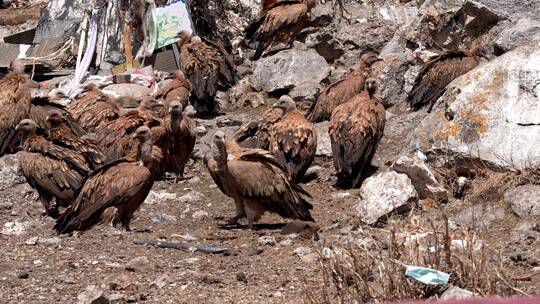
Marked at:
<point>294,143</point>
<point>255,134</point>
<point>93,113</point>
<point>14,107</point>
<point>436,74</point>
<point>39,110</point>
<point>356,128</point>
<point>63,137</point>
<point>212,169</point>
<point>124,185</point>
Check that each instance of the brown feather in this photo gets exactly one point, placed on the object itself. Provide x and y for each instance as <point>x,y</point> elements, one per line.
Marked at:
<point>14,107</point>
<point>94,110</point>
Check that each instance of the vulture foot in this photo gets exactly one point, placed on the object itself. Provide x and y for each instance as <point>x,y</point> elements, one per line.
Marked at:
<point>53,213</point>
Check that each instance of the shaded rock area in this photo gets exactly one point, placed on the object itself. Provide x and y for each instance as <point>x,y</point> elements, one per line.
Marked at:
<point>524,200</point>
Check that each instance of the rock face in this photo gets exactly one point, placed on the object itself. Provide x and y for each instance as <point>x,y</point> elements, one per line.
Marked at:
<point>491,114</point>
<point>10,174</point>
<point>384,194</point>
<point>423,179</point>
<point>517,34</point>
<point>289,69</point>
<point>324,144</point>
<point>477,217</point>
<point>223,20</point>
<point>524,200</point>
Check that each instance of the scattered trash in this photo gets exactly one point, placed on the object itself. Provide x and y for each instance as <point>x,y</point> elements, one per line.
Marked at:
<point>427,275</point>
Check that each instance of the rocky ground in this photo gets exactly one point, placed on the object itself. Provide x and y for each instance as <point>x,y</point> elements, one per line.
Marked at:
<point>461,182</point>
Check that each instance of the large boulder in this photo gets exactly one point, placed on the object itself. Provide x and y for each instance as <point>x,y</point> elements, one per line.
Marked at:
<point>289,69</point>
<point>524,200</point>
<point>491,114</point>
<point>517,34</point>
<point>385,194</point>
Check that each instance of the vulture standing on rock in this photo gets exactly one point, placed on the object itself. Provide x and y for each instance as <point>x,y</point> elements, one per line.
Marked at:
<point>178,88</point>
<point>60,134</point>
<point>176,139</point>
<point>343,90</point>
<point>114,192</point>
<point>280,22</point>
<point>94,109</point>
<point>356,127</point>
<point>114,138</point>
<point>54,171</point>
<point>208,66</point>
<point>437,73</point>
<point>284,132</point>
<point>256,182</point>
<point>15,100</point>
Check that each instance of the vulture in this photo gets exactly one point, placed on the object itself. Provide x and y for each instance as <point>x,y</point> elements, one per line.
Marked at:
<point>54,171</point>
<point>176,139</point>
<point>114,139</point>
<point>111,194</point>
<point>15,100</point>
<point>177,88</point>
<point>280,22</point>
<point>94,110</point>
<point>284,132</point>
<point>39,111</point>
<point>61,134</point>
<point>356,127</point>
<point>256,182</point>
<point>437,73</point>
<point>208,66</point>
<point>343,90</point>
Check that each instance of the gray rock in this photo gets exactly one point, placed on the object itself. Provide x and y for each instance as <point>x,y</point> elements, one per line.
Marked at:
<point>14,228</point>
<point>456,293</point>
<point>524,200</point>
<point>199,215</point>
<point>10,173</point>
<point>159,282</point>
<point>204,146</point>
<point>162,217</point>
<point>423,179</point>
<point>477,217</point>
<point>313,172</point>
<point>232,120</point>
<point>517,34</point>
<point>289,69</point>
<point>160,196</point>
<point>324,145</point>
<point>138,264</point>
<point>391,75</point>
<point>384,194</point>
<point>266,240</point>
<point>191,197</point>
<point>306,91</point>
<point>134,91</point>
<point>490,115</point>
<point>200,131</point>
<point>116,298</point>
<point>92,295</point>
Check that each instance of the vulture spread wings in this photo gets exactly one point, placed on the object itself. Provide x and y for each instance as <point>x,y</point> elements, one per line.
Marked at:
<point>356,127</point>
<point>281,21</point>
<point>439,72</point>
<point>94,110</point>
<point>112,193</point>
<point>14,107</point>
<point>256,182</point>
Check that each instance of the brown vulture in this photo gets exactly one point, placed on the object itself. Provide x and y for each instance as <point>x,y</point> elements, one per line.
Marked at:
<point>94,110</point>
<point>256,182</point>
<point>177,88</point>
<point>437,73</point>
<point>208,66</point>
<point>356,127</point>
<point>54,171</point>
<point>176,139</point>
<point>115,140</point>
<point>61,134</point>
<point>15,100</point>
<point>341,91</point>
<point>280,22</point>
<point>40,108</point>
<point>284,132</point>
<point>114,192</point>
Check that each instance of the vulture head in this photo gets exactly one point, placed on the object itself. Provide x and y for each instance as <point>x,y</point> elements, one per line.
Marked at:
<point>149,103</point>
<point>177,75</point>
<point>144,147</point>
<point>16,66</point>
<point>196,39</point>
<point>184,36</point>
<point>371,86</point>
<point>175,108</point>
<point>55,117</point>
<point>27,127</point>
<point>370,58</point>
<point>219,141</point>
<point>142,134</point>
<point>286,103</point>
<point>480,52</point>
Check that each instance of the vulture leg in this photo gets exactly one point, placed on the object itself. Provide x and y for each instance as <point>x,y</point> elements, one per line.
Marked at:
<point>240,213</point>
<point>109,216</point>
<point>45,200</point>
<point>253,213</point>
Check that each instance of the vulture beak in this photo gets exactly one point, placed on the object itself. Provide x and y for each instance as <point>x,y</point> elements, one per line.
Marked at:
<point>48,117</point>
<point>17,128</point>
<point>170,76</point>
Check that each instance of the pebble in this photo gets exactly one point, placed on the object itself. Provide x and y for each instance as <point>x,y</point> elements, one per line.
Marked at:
<point>191,197</point>
<point>198,215</point>
<point>341,195</point>
<point>23,275</point>
<point>137,264</point>
<point>266,241</point>
<point>241,277</point>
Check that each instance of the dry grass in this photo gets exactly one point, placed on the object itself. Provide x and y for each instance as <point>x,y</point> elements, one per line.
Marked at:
<point>376,273</point>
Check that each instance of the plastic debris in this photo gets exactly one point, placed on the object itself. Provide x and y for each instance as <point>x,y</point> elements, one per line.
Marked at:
<point>427,275</point>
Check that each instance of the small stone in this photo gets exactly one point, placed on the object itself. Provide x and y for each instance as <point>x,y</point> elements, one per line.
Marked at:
<point>191,197</point>
<point>277,294</point>
<point>138,264</point>
<point>162,217</point>
<point>341,195</point>
<point>159,283</point>
<point>116,298</point>
<point>92,295</point>
<point>286,242</point>
<point>266,241</point>
<point>456,293</point>
<point>51,241</point>
<point>241,277</point>
<point>14,228</point>
<point>69,280</point>
<point>302,251</point>
<point>200,130</point>
<point>305,229</point>
<point>313,173</point>
<point>198,215</point>
<point>160,197</point>
<point>23,275</point>
<point>37,263</point>
<point>31,241</point>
